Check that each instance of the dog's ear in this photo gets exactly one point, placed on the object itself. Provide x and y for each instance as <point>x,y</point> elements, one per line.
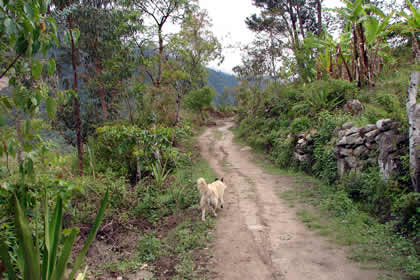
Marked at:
<point>216,179</point>
<point>221,179</point>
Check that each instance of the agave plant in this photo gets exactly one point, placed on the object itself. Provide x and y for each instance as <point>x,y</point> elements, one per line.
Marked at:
<point>54,257</point>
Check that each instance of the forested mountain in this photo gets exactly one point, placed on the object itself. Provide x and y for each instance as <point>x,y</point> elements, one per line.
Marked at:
<point>223,83</point>
<point>219,80</point>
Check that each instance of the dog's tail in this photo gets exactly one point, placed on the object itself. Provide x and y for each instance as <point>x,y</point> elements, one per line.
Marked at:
<point>202,185</point>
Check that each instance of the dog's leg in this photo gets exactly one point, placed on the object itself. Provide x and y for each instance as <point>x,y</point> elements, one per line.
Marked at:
<point>221,202</point>
<point>203,214</point>
<point>213,209</point>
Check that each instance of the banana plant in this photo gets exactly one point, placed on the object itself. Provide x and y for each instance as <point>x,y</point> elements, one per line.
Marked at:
<point>330,50</point>
<point>55,257</point>
<point>410,27</point>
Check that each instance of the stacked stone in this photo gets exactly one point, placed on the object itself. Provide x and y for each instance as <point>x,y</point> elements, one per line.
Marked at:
<point>357,147</point>
<point>303,148</point>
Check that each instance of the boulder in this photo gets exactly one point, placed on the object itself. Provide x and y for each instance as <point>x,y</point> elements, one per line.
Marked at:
<point>360,150</point>
<point>351,131</point>
<point>389,165</point>
<point>343,152</point>
<point>351,140</point>
<point>370,136</point>
<point>347,125</point>
<point>351,162</point>
<point>354,107</point>
<point>384,125</point>
<point>302,157</point>
<point>371,146</point>
<point>367,128</point>
<point>341,167</point>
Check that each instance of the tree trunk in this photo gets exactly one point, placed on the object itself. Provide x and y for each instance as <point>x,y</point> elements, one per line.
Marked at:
<point>101,92</point>
<point>319,13</point>
<point>178,108</point>
<point>76,100</point>
<point>356,58</point>
<point>416,48</point>
<point>345,64</point>
<point>364,55</point>
<point>413,112</point>
<point>20,139</point>
<point>159,78</point>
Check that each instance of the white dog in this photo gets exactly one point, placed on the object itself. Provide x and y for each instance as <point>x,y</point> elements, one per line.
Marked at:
<point>211,195</point>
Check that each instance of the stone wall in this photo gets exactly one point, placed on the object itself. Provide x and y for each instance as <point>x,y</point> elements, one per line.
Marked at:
<point>381,143</point>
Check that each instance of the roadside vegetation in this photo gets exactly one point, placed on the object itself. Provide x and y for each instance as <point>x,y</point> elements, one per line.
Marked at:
<point>98,158</point>
<point>359,76</point>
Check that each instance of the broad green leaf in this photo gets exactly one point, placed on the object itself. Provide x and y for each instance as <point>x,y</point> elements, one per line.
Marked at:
<point>54,36</point>
<point>76,35</point>
<point>372,25</point>
<point>46,235</point>
<point>3,120</point>
<point>21,44</point>
<point>36,69</point>
<point>69,237</point>
<point>54,235</point>
<point>91,236</point>
<point>26,242</point>
<point>51,105</point>
<point>28,166</point>
<point>51,66</point>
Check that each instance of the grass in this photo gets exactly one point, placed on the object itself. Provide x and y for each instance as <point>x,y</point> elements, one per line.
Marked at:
<point>329,212</point>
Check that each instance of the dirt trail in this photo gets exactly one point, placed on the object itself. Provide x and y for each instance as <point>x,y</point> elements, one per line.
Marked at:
<point>257,235</point>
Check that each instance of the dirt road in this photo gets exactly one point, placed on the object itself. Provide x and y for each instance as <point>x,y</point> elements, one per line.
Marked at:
<point>257,235</point>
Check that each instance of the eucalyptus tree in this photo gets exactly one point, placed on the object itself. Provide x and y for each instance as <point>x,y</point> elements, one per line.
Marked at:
<point>194,47</point>
<point>160,12</point>
<point>105,29</point>
<point>288,22</point>
<point>63,10</point>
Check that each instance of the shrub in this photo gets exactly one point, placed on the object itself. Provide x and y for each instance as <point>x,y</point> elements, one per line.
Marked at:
<point>407,208</point>
<point>300,124</point>
<point>282,152</point>
<point>375,193</point>
<point>373,113</point>
<point>118,147</point>
<point>197,100</point>
<point>339,204</point>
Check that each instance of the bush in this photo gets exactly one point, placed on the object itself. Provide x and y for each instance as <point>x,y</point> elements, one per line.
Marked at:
<point>407,208</point>
<point>339,204</point>
<point>118,147</point>
<point>324,95</point>
<point>300,124</point>
<point>282,152</point>
<point>373,113</point>
<point>375,193</point>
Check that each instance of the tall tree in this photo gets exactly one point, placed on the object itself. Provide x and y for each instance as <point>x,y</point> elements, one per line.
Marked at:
<point>160,12</point>
<point>72,38</point>
<point>193,48</point>
<point>288,21</point>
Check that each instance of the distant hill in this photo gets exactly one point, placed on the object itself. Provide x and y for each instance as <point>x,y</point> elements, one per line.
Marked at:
<point>219,80</point>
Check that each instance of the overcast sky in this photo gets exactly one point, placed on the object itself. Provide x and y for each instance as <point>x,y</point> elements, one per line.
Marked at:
<point>228,18</point>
